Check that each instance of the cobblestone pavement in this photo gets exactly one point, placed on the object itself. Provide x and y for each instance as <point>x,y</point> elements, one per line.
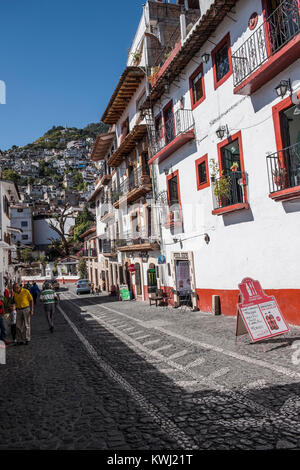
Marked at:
<point>123,376</point>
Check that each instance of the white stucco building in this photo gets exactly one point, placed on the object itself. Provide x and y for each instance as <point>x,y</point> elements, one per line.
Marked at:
<point>9,195</point>
<point>222,114</point>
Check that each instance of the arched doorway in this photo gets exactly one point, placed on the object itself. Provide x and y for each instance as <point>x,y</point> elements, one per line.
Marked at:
<point>151,279</point>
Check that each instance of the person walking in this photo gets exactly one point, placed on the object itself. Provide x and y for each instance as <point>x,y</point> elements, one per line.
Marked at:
<point>49,298</point>
<point>24,304</point>
<point>34,291</point>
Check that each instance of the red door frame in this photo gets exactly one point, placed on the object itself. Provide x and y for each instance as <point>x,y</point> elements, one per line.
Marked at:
<point>169,177</point>
<point>194,74</point>
<point>230,139</point>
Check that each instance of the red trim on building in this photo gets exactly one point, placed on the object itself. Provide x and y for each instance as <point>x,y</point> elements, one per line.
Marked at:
<point>244,205</point>
<point>195,73</point>
<point>166,64</point>
<point>197,163</point>
<point>174,145</point>
<point>276,110</point>
<point>287,299</point>
<point>225,40</point>
<point>168,178</point>
<point>286,194</point>
<point>233,208</point>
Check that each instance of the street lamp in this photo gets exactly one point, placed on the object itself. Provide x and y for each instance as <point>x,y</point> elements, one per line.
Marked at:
<point>205,58</point>
<point>221,131</point>
<point>283,87</point>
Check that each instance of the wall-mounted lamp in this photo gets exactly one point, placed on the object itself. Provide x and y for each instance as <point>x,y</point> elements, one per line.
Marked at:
<point>175,240</point>
<point>205,58</point>
<point>166,171</point>
<point>206,238</point>
<point>283,87</point>
<point>221,131</point>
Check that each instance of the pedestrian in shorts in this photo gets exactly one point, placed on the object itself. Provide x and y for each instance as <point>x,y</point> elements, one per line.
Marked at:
<point>49,298</point>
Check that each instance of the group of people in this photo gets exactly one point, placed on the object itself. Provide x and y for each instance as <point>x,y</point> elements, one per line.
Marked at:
<point>19,304</point>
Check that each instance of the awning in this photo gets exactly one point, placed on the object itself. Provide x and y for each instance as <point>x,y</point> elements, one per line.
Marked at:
<point>128,84</point>
<point>101,146</point>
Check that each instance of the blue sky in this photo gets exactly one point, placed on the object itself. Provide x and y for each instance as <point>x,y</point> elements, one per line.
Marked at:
<point>60,60</point>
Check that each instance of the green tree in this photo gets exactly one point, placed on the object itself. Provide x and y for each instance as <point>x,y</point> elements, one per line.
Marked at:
<point>11,175</point>
<point>26,254</point>
<point>82,268</point>
<point>83,221</point>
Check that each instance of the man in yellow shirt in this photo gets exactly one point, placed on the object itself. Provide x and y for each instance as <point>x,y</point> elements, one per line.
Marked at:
<point>24,303</point>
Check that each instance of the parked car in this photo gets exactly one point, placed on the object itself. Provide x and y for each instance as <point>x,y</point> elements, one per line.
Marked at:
<point>83,286</point>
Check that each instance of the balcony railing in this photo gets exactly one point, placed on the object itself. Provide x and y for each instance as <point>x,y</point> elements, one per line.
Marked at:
<point>279,28</point>
<point>179,123</point>
<point>90,253</point>
<point>136,179</point>
<point>108,247</point>
<point>229,189</point>
<point>284,169</point>
<point>130,238</point>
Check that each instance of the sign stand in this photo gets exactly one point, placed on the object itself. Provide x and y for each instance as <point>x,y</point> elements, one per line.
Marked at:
<point>258,314</point>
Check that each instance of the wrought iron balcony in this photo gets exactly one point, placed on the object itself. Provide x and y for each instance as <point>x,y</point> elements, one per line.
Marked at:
<point>180,124</point>
<point>90,253</point>
<point>134,186</point>
<point>279,28</point>
<point>138,240</point>
<point>284,169</point>
<point>230,192</point>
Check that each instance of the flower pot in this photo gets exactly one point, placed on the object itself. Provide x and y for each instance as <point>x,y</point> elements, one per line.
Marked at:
<point>234,168</point>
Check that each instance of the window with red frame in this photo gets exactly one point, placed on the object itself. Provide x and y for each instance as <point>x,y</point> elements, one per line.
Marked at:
<point>197,91</point>
<point>202,172</point>
<point>173,190</point>
<point>222,64</point>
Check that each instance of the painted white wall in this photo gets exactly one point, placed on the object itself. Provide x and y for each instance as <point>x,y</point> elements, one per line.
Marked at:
<point>261,242</point>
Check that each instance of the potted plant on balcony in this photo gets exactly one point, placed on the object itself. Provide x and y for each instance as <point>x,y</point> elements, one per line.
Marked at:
<point>222,190</point>
<point>154,71</point>
<point>234,167</point>
<point>136,57</point>
<point>279,176</point>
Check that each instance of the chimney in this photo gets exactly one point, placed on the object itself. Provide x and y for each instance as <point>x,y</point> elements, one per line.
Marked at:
<point>183,26</point>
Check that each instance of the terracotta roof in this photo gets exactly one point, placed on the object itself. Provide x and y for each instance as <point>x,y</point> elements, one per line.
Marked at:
<point>128,84</point>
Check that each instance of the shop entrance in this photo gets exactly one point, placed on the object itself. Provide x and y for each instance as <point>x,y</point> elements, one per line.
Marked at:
<point>183,282</point>
<point>151,279</point>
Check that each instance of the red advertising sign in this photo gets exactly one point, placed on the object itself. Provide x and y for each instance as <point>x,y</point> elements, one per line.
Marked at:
<point>260,312</point>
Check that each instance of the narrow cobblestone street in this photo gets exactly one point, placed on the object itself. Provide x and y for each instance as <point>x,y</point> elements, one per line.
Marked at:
<point>126,376</point>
